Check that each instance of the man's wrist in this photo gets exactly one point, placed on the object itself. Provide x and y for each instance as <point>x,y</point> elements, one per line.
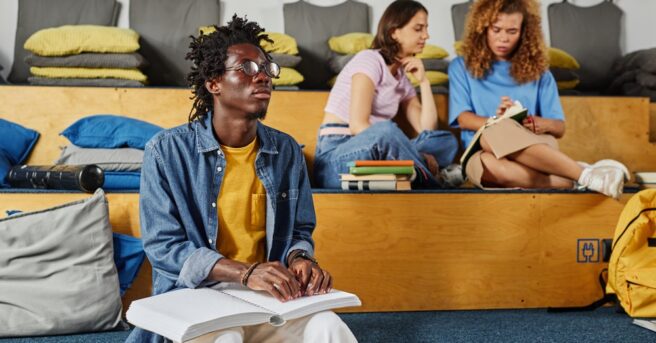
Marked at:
<point>300,254</point>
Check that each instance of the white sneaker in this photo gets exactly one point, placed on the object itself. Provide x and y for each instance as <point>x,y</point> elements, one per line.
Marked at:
<point>452,175</point>
<point>605,180</point>
<point>614,164</point>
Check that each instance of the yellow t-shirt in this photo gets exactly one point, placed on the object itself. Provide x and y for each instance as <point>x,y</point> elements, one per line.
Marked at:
<point>242,207</point>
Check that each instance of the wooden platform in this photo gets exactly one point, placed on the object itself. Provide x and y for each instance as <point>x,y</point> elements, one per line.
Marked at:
<point>408,252</point>
<point>398,252</point>
<point>597,127</point>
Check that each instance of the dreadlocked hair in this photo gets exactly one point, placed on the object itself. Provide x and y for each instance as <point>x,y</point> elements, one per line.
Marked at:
<point>208,53</point>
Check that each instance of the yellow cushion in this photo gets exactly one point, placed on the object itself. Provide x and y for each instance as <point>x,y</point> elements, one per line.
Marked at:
<point>288,77</point>
<point>206,30</point>
<point>563,85</point>
<point>282,44</point>
<point>75,39</point>
<point>89,73</point>
<point>560,59</point>
<point>434,78</point>
<point>432,51</point>
<point>350,43</point>
<point>457,46</point>
<point>332,81</point>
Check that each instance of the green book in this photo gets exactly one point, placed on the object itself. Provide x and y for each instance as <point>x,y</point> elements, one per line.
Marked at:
<point>381,170</point>
<point>515,112</point>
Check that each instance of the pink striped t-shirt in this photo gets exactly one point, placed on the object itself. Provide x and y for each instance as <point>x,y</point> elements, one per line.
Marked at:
<point>390,90</point>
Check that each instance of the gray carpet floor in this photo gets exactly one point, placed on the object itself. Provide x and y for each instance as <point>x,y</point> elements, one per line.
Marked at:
<point>602,325</point>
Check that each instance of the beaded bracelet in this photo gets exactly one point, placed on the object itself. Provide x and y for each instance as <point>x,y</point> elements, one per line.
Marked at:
<point>247,274</point>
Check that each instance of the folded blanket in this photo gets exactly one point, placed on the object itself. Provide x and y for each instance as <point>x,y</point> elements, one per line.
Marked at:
<point>88,60</point>
<point>634,89</point>
<point>646,79</point>
<point>89,73</point>
<point>49,81</point>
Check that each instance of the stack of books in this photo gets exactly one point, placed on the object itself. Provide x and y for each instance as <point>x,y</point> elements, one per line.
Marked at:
<point>370,175</point>
<point>646,179</point>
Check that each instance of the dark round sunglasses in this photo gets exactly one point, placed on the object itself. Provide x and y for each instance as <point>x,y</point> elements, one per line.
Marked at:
<point>251,68</point>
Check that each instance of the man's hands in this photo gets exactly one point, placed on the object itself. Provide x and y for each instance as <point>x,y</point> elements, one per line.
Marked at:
<point>275,279</point>
<point>312,278</point>
<point>303,277</point>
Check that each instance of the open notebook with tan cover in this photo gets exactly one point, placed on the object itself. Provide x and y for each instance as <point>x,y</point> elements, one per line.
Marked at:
<point>184,314</point>
<point>516,112</point>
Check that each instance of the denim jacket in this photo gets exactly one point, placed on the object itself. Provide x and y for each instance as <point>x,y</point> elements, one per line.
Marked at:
<point>181,178</point>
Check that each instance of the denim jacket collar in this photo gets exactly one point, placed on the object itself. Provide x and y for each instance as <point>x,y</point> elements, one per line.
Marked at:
<point>205,140</point>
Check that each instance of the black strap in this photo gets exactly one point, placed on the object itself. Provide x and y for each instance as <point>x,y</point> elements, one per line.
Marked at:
<point>606,298</point>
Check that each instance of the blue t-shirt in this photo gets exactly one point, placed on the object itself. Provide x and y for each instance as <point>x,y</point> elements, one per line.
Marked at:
<point>483,96</point>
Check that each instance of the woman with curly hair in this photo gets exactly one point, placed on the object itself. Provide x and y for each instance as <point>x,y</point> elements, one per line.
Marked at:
<point>370,91</point>
<point>504,60</point>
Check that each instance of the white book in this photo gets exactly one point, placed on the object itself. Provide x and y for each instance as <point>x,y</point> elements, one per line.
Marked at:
<point>645,323</point>
<point>185,314</point>
<point>645,177</point>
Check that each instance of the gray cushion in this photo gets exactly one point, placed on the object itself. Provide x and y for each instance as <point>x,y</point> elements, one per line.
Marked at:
<point>312,26</point>
<point>2,80</point>
<point>52,81</point>
<point>646,79</point>
<point>561,74</point>
<point>337,62</point>
<point>58,272</point>
<point>34,15</point>
<point>165,27</point>
<point>285,60</point>
<point>120,159</point>
<point>437,64</point>
<point>88,60</point>
<point>591,35</point>
<point>458,17</point>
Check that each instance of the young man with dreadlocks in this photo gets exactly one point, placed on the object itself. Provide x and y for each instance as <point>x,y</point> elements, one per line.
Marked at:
<point>225,198</point>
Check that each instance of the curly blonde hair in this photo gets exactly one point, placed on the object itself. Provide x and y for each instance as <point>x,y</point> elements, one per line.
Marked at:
<point>529,60</point>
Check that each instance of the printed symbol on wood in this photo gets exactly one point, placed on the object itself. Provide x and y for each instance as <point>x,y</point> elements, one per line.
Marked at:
<point>588,250</point>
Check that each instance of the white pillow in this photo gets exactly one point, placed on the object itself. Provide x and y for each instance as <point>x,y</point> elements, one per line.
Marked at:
<point>57,273</point>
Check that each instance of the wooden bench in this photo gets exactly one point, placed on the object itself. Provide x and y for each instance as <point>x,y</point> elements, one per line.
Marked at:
<point>432,250</point>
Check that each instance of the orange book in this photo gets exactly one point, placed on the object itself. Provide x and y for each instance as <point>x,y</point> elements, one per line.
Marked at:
<point>383,163</point>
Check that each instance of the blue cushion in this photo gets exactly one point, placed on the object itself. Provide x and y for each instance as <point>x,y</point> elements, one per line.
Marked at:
<point>128,257</point>
<point>15,145</point>
<point>5,165</point>
<point>110,131</point>
<point>17,141</point>
<point>121,180</point>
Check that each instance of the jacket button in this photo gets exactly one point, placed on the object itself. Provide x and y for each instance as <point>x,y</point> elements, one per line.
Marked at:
<point>284,195</point>
<point>210,240</point>
<point>213,204</point>
<point>219,169</point>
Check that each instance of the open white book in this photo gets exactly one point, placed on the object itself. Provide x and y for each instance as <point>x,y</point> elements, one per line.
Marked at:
<point>185,314</point>
<point>516,112</point>
<point>646,323</point>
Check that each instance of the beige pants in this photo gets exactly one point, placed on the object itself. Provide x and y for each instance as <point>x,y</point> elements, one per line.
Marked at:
<point>504,138</point>
<point>319,327</point>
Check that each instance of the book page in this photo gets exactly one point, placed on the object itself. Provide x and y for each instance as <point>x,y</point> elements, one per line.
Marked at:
<point>179,314</point>
<point>294,308</point>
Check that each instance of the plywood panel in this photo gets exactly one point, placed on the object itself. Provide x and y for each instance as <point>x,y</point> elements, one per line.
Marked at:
<point>409,252</point>
<point>652,122</point>
<point>597,127</point>
<point>609,127</point>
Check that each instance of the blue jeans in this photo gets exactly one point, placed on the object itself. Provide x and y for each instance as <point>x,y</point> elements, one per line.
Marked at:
<point>381,141</point>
